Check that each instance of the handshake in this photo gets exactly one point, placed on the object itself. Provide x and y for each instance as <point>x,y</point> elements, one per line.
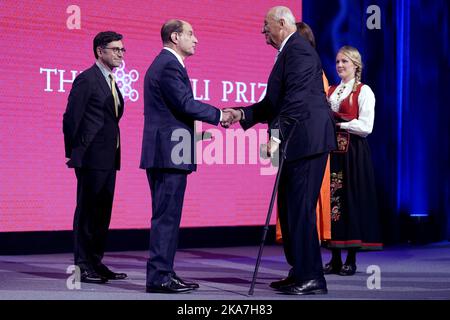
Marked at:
<point>230,117</point>
<point>267,151</point>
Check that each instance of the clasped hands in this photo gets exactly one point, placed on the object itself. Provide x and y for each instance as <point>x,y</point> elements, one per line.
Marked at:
<point>230,117</point>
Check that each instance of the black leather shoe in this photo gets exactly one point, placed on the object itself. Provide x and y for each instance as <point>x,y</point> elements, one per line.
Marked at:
<point>347,270</point>
<point>88,276</point>
<point>331,268</point>
<point>282,283</point>
<point>108,274</point>
<point>315,286</point>
<point>171,286</point>
<point>185,283</point>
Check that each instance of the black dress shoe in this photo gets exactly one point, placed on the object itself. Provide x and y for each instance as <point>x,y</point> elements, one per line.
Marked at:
<point>108,274</point>
<point>332,268</point>
<point>171,286</point>
<point>282,283</point>
<point>347,270</point>
<point>188,284</point>
<point>315,286</point>
<point>88,276</point>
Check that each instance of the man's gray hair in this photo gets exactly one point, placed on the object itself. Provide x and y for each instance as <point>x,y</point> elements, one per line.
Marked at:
<point>284,13</point>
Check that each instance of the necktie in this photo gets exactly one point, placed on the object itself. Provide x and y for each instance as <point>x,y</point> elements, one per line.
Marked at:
<point>116,101</point>
<point>114,93</point>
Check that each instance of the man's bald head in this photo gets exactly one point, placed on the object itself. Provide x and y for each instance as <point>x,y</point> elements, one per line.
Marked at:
<point>178,35</point>
<point>280,12</point>
<point>279,23</point>
<point>171,26</point>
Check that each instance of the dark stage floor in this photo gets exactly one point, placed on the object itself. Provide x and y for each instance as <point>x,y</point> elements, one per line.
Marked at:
<point>406,272</point>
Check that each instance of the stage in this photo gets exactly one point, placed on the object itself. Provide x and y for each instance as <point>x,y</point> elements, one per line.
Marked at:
<point>406,272</point>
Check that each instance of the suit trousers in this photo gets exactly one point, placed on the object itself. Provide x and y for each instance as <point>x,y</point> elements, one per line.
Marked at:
<point>95,193</point>
<point>298,191</point>
<point>167,187</point>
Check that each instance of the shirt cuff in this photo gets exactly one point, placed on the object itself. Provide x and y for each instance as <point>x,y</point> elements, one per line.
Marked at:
<point>242,114</point>
<point>221,115</point>
<point>275,139</point>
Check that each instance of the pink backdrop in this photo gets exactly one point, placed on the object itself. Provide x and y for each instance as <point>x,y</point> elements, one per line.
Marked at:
<point>46,43</point>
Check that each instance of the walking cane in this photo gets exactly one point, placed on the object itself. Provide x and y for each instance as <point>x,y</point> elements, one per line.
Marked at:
<point>272,201</point>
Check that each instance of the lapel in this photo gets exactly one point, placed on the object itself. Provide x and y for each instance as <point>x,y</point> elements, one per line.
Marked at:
<point>107,91</point>
<point>180,66</point>
<point>102,81</point>
<point>282,55</point>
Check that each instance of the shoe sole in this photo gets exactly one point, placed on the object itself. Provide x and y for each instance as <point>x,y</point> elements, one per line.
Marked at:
<point>318,291</point>
<point>94,281</point>
<point>169,292</point>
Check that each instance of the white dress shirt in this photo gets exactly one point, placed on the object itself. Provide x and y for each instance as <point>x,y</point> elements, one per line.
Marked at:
<point>363,125</point>
<point>282,45</point>
<point>106,73</point>
<point>176,55</point>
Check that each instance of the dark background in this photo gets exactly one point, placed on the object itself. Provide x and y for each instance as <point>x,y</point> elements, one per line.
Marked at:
<point>407,65</point>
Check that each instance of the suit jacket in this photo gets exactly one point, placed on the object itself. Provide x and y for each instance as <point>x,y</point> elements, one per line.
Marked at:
<point>295,91</point>
<point>170,110</point>
<point>90,125</point>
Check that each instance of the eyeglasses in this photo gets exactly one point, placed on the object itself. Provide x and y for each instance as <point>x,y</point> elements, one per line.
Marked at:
<point>116,50</point>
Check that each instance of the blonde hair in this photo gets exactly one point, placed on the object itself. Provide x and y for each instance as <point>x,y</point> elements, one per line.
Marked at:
<point>355,57</point>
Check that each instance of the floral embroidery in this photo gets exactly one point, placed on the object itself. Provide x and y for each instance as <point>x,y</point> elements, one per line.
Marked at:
<point>342,141</point>
<point>335,186</point>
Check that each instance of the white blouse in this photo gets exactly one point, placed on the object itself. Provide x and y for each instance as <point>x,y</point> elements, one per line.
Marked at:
<point>363,125</point>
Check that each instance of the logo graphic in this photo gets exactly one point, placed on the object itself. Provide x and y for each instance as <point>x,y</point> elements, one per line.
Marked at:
<point>124,81</point>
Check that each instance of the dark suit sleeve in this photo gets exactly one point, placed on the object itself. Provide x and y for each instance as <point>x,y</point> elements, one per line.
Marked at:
<point>256,113</point>
<point>78,98</point>
<point>179,94</point>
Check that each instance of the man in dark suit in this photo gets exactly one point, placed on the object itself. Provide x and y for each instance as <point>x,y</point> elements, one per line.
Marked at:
<point>295,106</point>
<point>92,145</point>
<point>168,147</point>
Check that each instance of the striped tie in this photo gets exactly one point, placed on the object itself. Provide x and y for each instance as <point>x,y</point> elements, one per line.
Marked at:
<point>114,93</point>
<point>116,101</point>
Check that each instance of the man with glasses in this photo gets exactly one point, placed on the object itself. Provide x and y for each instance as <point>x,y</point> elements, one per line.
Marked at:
<point>92,146</point>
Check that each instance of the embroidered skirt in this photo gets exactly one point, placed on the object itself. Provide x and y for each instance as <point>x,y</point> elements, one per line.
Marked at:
<point>355,221</point>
